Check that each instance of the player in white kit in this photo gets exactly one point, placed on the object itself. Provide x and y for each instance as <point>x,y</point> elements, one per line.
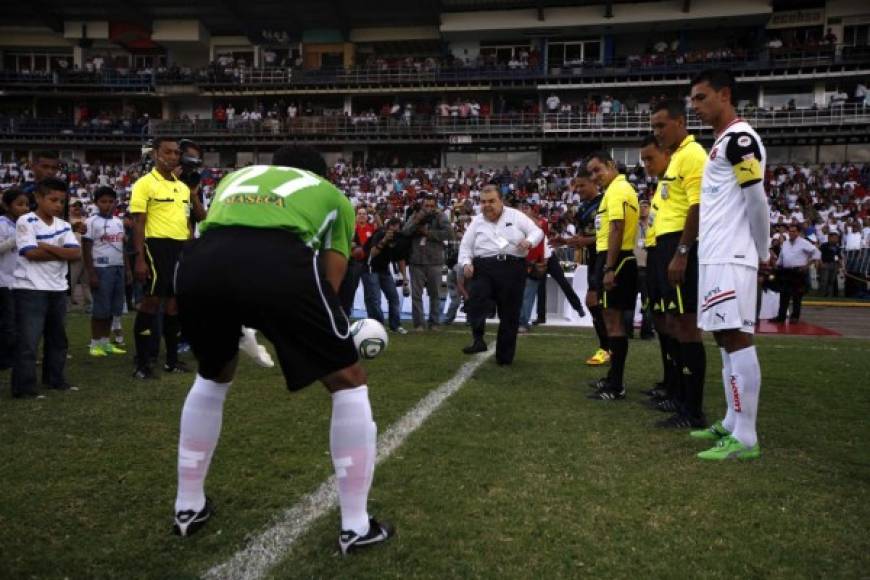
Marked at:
<point>734,234</point>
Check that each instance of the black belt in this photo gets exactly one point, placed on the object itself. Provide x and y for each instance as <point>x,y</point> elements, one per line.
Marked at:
<point>500,258</point>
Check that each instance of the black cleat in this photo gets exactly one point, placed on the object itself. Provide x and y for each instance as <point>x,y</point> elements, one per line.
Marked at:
<point>598,384</point>
<point>144,373</point>
<point>608,394</point>
<point>665,405</point>
<point>682,421</point>
<point>475,347</point>
<point>188,522</point>
<point>658,387</point>
<point>349,540</point>
<point>178,368</point>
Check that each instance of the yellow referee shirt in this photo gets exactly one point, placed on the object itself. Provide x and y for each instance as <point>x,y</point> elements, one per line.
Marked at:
<point>165,203</point>
<point>680,187</point>
<point>619,203</point>
<point>650,240</point>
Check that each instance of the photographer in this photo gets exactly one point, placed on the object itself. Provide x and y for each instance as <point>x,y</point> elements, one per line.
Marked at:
<point>189,172</point>
<point>427,229</point>
<point>386,247</point>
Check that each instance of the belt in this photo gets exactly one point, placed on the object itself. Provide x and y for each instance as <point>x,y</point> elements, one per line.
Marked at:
<point>501,258</point>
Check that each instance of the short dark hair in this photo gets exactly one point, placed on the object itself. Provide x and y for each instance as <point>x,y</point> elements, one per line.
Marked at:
<point>189,144</point>
<point>301,157</point>
<point>718,78</point>
<point>51,184</point>
<point>583,173</point>
<point>600,155</point>
<point>394,221</point>
<point>675,108</point>
<point>649,140</point>
<point>795,226</point>
<point>14,193</point>
<point>45,154</point>
<point>105,191</point>
<point>158,141</point>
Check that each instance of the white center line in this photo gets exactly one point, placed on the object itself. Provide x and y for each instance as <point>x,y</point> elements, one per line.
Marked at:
<point>272,545</point>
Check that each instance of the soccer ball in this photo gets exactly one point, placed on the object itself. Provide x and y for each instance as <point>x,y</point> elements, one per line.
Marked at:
<point>369,337</point>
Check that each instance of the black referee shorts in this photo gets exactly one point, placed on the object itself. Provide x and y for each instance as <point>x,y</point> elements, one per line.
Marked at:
<point>652,282</point>
<point>624,294</point>
<point>593,272</point>
<point>161,255</point>
<point>269,280</point>
<point>683,298</point>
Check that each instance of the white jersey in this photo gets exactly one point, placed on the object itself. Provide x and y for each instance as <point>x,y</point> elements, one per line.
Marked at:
<point>107,235</point>
<point>30,231</point>
<point>9,253</point>
<point>736,160</point>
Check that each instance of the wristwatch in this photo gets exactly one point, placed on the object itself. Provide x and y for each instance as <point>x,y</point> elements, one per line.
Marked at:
<point>683,249</point>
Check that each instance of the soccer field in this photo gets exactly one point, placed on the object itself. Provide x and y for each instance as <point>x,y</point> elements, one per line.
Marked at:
<point>517,475</point>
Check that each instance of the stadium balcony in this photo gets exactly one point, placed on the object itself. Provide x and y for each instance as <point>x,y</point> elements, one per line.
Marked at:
<point>781,64</point>
<point>849,120</point>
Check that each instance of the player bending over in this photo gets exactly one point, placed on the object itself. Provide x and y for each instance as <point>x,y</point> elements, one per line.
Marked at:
<point>733,236</point>
<point>272,255</point>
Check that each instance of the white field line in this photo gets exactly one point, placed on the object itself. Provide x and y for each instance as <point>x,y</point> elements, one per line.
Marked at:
<point>272,545</point>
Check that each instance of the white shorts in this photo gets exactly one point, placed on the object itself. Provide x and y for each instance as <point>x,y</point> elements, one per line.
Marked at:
<point>727,296</point>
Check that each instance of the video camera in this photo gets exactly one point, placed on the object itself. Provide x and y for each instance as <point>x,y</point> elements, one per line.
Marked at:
<point>191,163</point>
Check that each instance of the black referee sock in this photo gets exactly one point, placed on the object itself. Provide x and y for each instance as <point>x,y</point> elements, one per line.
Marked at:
<point>600,328</point>
<point>667,367</point>
<point>143,332</point>
<point>618,354</point>
<point>677,389</point>
<point>171,334</point>
<point>695,361</point>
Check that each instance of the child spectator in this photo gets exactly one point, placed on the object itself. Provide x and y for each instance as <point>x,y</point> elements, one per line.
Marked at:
<point>107,267</point>
<point>16,203</point>
<point>46,244</point>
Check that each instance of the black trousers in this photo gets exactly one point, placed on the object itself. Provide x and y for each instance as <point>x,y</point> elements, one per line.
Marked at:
<point>793,282</point>
<point>554,269</point>
<point>502,282</point>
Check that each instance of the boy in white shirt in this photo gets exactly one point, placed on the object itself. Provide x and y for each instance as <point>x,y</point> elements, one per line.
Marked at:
<point>46,244</point>
<point>108,268</point>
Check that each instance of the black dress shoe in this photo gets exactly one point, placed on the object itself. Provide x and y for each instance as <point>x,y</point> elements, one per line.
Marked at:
<point>475,347</point>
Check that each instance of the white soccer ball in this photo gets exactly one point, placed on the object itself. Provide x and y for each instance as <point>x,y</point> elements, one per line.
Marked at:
<point>369,337</point>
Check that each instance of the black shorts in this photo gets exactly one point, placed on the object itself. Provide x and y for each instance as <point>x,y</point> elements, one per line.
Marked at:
<point>624,294</point>
<point>161,255</point>
<point>683,298</point>
<point>653,295</point>
<point>593,279</point>
<point>269,280</point>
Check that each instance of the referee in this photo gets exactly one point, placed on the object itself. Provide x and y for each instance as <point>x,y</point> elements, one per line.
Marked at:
<point>160,206</point>
<point>492,254</point>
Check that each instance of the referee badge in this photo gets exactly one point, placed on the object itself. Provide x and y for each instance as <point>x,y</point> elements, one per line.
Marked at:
<point>664,191</point>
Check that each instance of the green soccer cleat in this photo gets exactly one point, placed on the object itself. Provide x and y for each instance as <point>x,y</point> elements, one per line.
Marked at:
<point>714,432</point>
<point>96,350</point>
<point>110,348</point>
<point>730,448</point>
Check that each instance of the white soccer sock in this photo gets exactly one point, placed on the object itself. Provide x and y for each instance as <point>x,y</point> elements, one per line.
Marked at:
<point>728,421</point>
<point>200,428</point>
<point>352,441</point>
<point>746,374</point>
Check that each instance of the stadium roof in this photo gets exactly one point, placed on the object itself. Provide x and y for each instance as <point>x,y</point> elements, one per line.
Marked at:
<point>230,17</point>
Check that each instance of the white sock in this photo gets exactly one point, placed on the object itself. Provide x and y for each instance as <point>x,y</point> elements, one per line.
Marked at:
<point>746,374</point>
<point>95,342</point>
<point>200,428</point>
<point>728,421</point>
<point>352,441</point>
<point>116,323</point>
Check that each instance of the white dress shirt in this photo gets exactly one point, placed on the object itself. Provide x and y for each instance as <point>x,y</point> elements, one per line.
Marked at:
<point>485,239</point>
<point>797,254</point>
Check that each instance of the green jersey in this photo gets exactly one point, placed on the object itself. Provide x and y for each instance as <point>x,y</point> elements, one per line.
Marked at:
<point>265,196</point>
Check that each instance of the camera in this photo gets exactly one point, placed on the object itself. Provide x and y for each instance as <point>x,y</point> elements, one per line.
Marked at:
<point>191,162</point>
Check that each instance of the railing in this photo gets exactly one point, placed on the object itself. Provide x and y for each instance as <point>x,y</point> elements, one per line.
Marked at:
<point>456,130</point>
<point>216,75</point>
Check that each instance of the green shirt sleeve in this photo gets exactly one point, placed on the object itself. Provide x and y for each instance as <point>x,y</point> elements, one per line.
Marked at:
<point>340,233</point>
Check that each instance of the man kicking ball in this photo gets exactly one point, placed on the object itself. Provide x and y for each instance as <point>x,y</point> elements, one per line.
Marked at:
<point>272,255</point>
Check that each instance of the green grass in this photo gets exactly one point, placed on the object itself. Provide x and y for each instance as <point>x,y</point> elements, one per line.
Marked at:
<point>517,476</point>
